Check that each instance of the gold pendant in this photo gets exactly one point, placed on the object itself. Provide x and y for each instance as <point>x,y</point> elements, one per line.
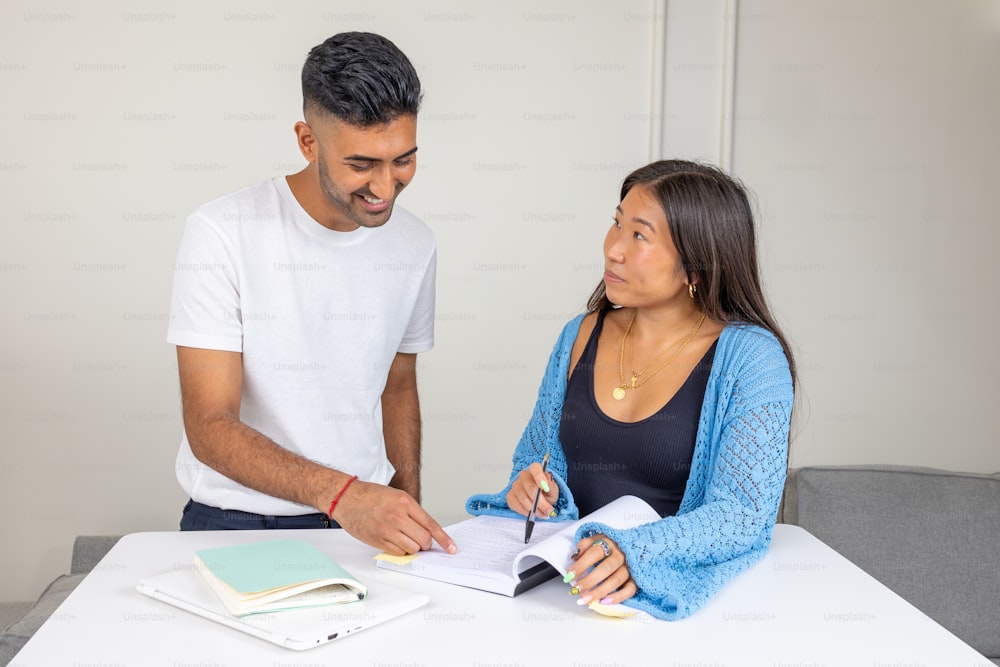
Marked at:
<point>618,393</point>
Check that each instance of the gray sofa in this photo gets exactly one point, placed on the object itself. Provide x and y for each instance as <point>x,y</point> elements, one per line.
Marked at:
<point>25,618</point>
<point>931,536</point>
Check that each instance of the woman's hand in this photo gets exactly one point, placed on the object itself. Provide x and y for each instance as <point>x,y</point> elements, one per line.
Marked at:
<point>608,581</point>
<point>522,492</point>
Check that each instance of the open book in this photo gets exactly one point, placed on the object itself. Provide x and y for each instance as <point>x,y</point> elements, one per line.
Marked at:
<point>492,555</point>
<point>275,575</point>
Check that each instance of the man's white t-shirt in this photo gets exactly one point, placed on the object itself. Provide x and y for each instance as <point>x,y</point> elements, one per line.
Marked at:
<point>318,316</point>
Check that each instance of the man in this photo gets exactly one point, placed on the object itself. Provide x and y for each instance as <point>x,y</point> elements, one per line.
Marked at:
<point>298,308</point>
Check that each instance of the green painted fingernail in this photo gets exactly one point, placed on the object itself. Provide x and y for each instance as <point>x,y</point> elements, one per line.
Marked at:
<point>574,591</point>
<point>545,486</point>
<point>570,576</point>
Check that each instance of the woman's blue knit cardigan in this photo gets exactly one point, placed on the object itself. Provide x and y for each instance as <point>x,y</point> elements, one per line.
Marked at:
<point>737,474</point>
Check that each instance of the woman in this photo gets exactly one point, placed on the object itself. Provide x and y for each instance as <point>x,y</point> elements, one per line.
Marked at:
<point>676,386</point>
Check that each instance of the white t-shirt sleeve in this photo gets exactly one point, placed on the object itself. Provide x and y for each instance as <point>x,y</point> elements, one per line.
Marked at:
<point>205,300</point>
<point>419,336</point>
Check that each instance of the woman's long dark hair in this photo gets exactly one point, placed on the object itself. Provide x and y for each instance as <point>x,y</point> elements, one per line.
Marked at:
<point>712,227</point>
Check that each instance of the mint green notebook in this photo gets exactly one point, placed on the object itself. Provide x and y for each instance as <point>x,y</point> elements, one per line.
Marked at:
<point>275,575</point>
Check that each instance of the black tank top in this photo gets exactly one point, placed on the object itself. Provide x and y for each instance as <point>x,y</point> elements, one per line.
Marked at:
<point>650,459</point>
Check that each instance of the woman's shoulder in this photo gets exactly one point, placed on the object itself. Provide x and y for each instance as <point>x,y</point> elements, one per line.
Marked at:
<point>578,330</point>
<point>573,328</point>
<point>743,335</point>
<point>751,351</point>
<point>587,322</point>
<point>747,346</point>
<point>584,325</point>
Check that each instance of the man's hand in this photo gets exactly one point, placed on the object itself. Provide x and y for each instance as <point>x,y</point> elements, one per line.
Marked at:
<point>389,519</point>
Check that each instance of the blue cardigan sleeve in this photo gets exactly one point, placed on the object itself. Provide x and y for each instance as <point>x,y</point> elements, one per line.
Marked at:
<point>730,504</point>
<point>540,435</point>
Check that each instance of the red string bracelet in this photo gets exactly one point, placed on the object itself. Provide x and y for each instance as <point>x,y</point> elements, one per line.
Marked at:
<point>337,499</point>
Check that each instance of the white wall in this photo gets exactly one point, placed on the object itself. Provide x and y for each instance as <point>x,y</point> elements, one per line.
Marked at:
<point>865,132</point>
<point>117,122</point>
<point>869,132</point>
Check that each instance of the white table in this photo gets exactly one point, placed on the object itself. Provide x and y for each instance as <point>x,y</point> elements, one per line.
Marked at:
<point>803,604</point>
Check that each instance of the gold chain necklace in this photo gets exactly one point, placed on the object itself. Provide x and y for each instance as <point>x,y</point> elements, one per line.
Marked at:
<point>618,393</point>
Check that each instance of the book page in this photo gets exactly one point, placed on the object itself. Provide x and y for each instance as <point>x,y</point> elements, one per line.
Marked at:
<point>489,544</point>
<point>493,547</point>
<point>624,512</point>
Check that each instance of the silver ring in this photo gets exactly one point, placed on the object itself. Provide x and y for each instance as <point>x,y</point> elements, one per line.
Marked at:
<point>604,545</point>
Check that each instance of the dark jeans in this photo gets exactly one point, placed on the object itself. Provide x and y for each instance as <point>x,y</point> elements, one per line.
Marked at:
<point>197,516</point>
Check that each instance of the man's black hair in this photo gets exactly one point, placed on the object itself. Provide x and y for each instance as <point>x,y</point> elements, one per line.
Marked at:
<point>360,78</point>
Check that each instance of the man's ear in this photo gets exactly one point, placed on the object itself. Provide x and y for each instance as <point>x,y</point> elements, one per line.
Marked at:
<point>307,140</point>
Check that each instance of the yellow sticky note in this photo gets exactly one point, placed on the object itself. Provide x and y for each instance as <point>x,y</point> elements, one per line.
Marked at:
<point>396,560</point>
<point>614,611</point>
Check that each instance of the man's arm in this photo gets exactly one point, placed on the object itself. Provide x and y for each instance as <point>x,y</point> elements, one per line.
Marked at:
<point>401,423</point>
<point>211,388</point>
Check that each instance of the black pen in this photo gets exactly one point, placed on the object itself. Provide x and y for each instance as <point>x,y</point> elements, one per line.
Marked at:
<point>530,524</point>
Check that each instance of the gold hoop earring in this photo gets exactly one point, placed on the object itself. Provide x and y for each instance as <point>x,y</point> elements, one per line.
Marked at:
<point>692,290</point>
